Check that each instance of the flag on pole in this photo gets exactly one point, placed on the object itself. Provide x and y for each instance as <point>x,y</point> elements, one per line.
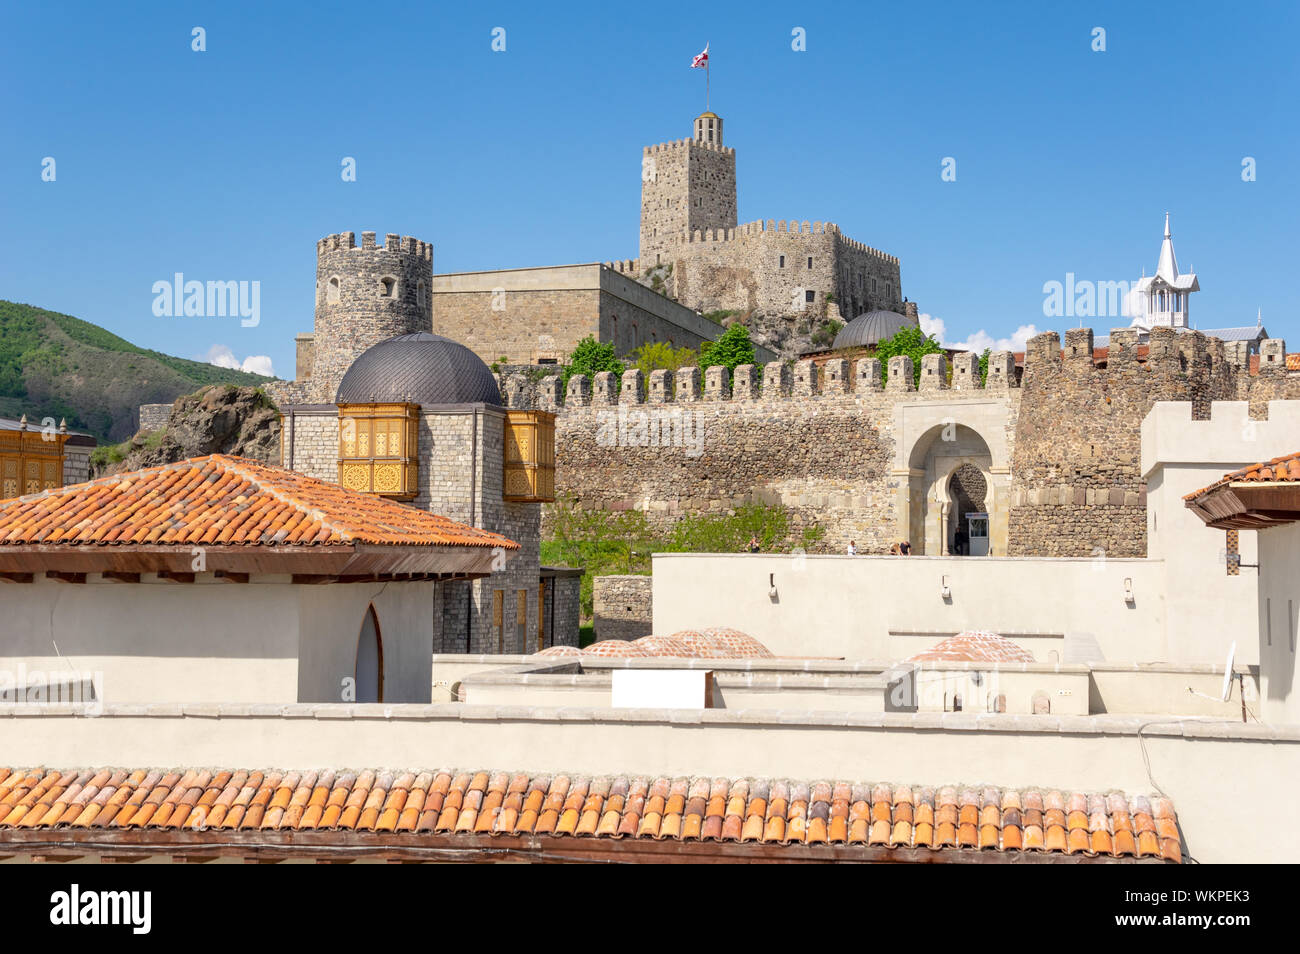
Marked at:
<point>701,60</point>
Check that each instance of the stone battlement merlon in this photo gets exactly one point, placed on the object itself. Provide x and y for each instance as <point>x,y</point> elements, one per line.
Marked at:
<point>867,249</point>
<point>779,226</point>
<point>346,241</point>
<point>1168,349</point>
<point>679,143</point>
<point>754,383</point>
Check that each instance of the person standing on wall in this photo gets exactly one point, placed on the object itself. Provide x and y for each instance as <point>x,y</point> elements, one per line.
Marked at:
<point>753,544</point>
<point>905,548</point>
<point>853,548</point>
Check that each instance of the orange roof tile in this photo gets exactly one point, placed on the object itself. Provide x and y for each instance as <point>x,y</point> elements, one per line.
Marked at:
<point>1292,362</point>
<point>224,501</point>
<point>974,646</point>
<point>1279,470</point>
<point>1257,497</point>
<point>512,811</point>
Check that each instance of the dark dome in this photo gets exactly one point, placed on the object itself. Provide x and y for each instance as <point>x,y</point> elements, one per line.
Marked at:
<point>871,328</point>
<point>419,369</point>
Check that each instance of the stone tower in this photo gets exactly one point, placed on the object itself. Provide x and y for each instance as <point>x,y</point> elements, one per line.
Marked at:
<point>686,185</point>
<point>364,296</point>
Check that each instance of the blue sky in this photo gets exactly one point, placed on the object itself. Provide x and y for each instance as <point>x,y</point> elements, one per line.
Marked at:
<point>225,164</point>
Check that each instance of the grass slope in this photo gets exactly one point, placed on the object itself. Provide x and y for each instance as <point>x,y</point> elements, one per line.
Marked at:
<point>58,366</point>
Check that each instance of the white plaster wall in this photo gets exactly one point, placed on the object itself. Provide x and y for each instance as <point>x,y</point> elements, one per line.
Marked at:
<point>848,606</point>
<point>1207,609</point>
<point>1279,614</point>
<point>331,616</point>
<point>208,641</point>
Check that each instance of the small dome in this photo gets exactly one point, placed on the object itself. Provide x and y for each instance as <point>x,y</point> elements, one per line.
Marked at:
<point>974,646</point>
<point>419,369</point>
<point>871,328</point>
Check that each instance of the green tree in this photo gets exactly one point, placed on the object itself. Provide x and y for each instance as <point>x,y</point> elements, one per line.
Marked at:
<point>732,349</point>
<point>911,341</point>
<point>661,356</point>
<point>984,367</point>
<point>590,357</point>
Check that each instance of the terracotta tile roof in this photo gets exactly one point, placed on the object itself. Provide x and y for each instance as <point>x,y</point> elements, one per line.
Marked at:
<point>1284,469</point>
<point>974,646</point>
<point>1257,497</point>
<point>1292,362</point>
<point>224,501</point>
<point>714,642</point>
<point>420,806</point>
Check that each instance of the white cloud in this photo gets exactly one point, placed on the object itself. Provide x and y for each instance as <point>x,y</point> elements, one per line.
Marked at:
<point>223,357</point>
<point>981,339</point>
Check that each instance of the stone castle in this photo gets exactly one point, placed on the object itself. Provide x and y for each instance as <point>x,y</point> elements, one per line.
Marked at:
<point>1047,458</point>
<point>688,228</point>
<point>1052,458</point>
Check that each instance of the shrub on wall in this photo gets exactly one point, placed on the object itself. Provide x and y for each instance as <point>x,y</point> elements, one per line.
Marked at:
<point>660,356</point>
<point>911,341</point>
<point>607,542</point>
<point>732,349</point>
<point>590,357</point>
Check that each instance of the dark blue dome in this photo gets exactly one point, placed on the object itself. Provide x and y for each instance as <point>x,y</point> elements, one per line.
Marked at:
<point>419,369</point>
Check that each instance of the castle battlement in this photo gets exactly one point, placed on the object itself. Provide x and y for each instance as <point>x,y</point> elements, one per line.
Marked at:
<point>837,378</point>
<point>1168,350</point>
<point>679,143</point>
<point>346,241</point>
<point>767,227</point>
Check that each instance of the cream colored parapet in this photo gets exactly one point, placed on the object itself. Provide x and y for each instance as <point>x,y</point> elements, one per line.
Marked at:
<point>1229,437</point>
<point>1079,753</point>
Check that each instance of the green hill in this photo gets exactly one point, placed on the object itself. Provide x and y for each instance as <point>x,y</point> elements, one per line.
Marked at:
<point>54,365</point>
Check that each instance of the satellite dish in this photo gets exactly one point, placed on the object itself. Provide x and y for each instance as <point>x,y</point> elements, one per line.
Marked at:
<point>1227,673</point>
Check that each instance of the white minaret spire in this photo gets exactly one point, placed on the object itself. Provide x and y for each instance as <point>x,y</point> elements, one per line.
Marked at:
<point>1161,300</point>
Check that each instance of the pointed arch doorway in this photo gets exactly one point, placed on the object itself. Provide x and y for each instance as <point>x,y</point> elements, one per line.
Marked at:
<point>369,671</point>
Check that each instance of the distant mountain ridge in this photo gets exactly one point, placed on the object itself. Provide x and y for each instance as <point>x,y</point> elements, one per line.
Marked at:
<point>55,365</point>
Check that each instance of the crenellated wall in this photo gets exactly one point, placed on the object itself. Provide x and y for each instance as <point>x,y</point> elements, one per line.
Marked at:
<point>364,295</point>
<point>764,266</point>
<point>1077,486</point>
<point>1058,457</point>
<point>822,442</point>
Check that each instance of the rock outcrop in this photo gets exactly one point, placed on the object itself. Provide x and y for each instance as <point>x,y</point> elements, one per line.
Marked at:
<point>220,419</point>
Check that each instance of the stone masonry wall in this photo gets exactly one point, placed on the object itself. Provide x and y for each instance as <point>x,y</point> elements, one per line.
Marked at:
<point>764,266</point>
<point>519,325</point>
<point>1077,489</point>
<point>622,606</point>
<point>685,185</point>
<point>566,593</point>
<point>354,309</point>
<point>153,416</point>
<point>820,445</point>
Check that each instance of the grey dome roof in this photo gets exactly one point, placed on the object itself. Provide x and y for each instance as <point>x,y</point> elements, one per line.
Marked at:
<point>871,328</point>
<point>419,369</point>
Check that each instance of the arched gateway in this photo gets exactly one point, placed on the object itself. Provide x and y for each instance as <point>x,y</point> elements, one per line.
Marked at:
<point>953,473</point>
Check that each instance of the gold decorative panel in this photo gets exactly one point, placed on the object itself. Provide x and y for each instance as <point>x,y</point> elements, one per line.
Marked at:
<point>393,431</point>
<point>31,460</point>
<point>529,457</point>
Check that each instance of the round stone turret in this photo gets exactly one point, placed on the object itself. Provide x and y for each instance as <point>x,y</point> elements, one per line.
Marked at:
<point>365,295</point>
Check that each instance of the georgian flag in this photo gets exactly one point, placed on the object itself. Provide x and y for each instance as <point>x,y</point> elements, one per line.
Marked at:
<point>701,59</point>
